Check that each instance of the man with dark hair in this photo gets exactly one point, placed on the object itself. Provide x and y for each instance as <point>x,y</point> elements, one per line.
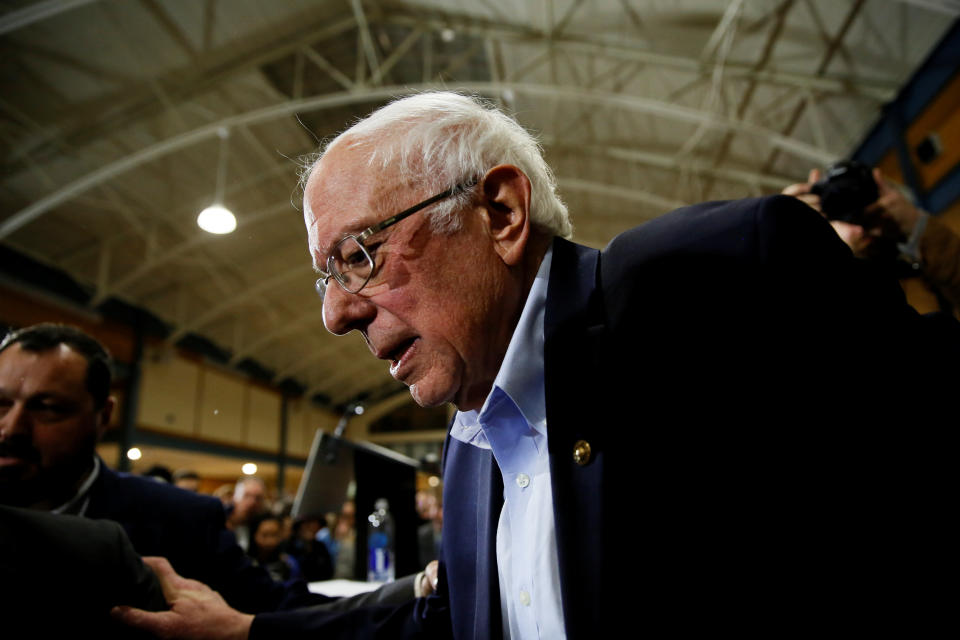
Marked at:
<point>54,405</point>
<point>47,335</point>
<point>186,479</point>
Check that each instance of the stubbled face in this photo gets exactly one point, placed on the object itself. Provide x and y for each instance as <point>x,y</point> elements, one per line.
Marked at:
<point>249,501</point>
<point>48,424</point>
<point>434,308</point>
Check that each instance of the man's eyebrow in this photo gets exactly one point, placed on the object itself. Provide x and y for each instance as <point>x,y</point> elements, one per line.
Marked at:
<point>355,228</point>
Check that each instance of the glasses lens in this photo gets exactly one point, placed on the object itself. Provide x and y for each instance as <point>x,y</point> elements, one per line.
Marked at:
<point>350,264</point>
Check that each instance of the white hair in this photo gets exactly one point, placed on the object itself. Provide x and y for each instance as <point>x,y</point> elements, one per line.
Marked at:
<point>441,139</point>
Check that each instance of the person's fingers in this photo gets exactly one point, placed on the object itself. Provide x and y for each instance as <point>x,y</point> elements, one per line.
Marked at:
<point>795,190</point>
<point>171,583</point>
<point>160,566</point>
<point>809,199</point>
<point>878,178</point>
<point>157,623</point>
<point>432,570</point>
<point>166,576</point>
<point>813,176</point>
<point>424,589</point>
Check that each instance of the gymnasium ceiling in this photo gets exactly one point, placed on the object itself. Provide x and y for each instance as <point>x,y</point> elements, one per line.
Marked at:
<point>114,114</point>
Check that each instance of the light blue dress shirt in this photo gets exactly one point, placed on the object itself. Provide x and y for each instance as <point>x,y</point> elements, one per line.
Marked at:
<point>513,424</point>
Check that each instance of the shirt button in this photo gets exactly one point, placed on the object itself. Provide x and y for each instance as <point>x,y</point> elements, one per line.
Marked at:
<point>523,480</point>
<point>524,598</point>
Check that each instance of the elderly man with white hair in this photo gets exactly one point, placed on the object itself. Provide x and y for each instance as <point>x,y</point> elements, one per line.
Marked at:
<point>638,445</point>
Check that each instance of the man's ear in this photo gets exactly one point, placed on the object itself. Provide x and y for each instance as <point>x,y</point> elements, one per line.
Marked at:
<point>103,416</point>
<point>506,202</point>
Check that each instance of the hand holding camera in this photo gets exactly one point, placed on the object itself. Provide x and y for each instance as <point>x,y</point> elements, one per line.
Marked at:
<point>852,193</point>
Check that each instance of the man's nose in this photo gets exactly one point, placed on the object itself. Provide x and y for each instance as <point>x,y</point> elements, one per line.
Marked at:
<point>343,312</point>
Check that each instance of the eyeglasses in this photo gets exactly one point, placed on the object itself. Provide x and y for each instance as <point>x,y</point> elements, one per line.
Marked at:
<point>352,264</point>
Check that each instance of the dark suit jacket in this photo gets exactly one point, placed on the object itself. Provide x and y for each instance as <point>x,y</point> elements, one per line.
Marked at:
<point>188,529</point>
<point>61,574</point>
<point>724,363</point>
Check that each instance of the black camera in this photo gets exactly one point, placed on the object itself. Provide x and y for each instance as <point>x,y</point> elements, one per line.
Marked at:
<point>846,190</point>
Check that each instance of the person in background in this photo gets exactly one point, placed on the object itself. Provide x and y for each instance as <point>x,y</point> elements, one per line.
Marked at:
<point>429,533</point>
<point>187,479</point>
<point>159,473</point>
<point>54,406</point>
<point>345,536</point>
<point>249,501</point>
<point>224,493</point>
<point>325,534</point>
<point>267,548</point>
<point>283,509</point>
<point>310,553</point>
<point>901,239</point>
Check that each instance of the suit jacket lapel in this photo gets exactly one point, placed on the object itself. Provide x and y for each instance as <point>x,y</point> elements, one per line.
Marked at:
<point>574,327</point>
<point>473,498</point>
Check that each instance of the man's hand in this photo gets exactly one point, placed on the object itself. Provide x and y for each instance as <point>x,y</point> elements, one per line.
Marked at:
<point>893,205</point>
<point>196,610</point>
<point>428,579</point>
<point>801,190</point>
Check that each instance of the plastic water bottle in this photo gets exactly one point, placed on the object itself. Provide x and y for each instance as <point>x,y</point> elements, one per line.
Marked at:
<point>380,558</point>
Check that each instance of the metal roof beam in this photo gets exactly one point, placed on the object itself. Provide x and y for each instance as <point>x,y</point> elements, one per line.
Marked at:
<point>138,100</point>
<point>623,193</point>
<point>254,292</point>
<point>338,76</point>
<point>572,95</point>
<point>670,162</point>
<point>285,330</point>
<point>369,51</point>
<point>613,47</point>
<point>13,20</point>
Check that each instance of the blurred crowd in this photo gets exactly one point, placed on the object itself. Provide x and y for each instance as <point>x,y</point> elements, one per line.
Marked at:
<point>312,547</point>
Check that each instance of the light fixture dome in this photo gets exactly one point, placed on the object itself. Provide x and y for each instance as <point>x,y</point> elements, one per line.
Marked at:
<point>217,219</point>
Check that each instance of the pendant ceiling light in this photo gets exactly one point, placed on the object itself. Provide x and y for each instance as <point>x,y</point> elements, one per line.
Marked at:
<point>217,218</point>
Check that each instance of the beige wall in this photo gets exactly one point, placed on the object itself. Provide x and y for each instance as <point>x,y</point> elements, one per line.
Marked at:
<point>190,399</point>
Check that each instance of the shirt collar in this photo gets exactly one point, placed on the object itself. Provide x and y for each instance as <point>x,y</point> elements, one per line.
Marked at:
<point>77,505</point>
<point>521,373</point>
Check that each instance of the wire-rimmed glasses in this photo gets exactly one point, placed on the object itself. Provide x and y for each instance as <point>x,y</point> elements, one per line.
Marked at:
<point>352,264</point>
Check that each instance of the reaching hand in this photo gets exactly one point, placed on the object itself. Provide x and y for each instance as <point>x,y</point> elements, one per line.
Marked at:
<point>196,610</point>
<point>801,190</point>
<point>428,579</point>
<point>892,204</point>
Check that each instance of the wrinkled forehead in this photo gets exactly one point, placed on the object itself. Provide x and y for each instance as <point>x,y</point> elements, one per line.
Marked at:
<point>346,194</point>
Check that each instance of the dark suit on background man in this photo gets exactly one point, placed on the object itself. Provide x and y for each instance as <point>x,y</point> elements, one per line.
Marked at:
<point>188,529</point>
<point>723,482</point>
<point>60,574</point>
